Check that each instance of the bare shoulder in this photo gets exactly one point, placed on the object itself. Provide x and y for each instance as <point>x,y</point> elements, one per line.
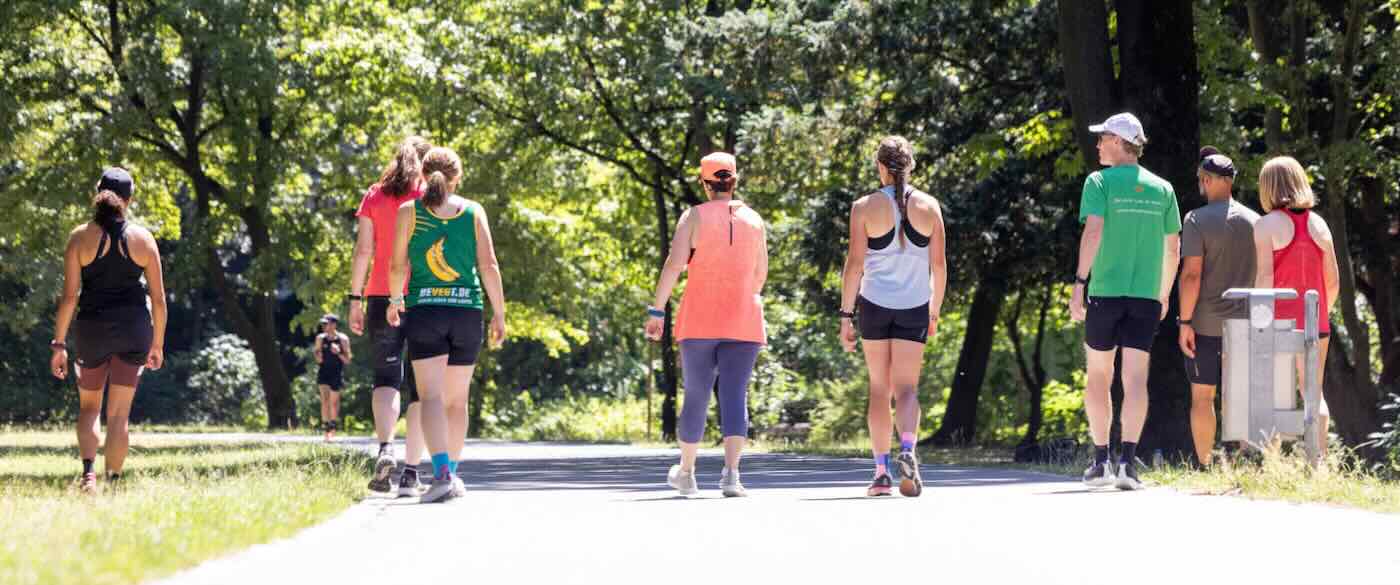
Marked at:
<point>925,202</point>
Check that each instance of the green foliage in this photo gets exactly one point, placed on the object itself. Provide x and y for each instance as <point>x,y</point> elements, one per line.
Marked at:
<point>224,385</point>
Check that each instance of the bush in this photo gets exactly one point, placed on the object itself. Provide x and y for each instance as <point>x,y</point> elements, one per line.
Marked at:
<point>1388,439</point>
<point>573,418</point>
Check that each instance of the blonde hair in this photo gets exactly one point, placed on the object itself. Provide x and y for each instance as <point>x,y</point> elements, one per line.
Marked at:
<point>1283,184</point>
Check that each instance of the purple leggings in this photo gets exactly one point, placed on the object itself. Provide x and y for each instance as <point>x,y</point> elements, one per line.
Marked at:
<point>704,360</point>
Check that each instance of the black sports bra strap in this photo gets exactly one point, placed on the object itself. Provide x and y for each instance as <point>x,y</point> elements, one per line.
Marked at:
<point>101,247</point>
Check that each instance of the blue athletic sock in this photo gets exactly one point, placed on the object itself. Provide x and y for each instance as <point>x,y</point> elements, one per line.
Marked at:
<point>906,442</point>
<point>452,467</point>
<point>441,465</point>
<point>882,460</point>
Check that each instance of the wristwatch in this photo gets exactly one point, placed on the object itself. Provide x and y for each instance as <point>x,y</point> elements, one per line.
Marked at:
<point>1180,321</point>
<point>846,314</point>
<point>56,344</point>
<point>655,312</point>
<point>1080,279</point>
<point>355,297</point>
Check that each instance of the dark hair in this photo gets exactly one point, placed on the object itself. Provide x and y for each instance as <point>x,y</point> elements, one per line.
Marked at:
<point>442,167</point>
<point>898,157</point>
<point>402,174</point>
<point>108,208</point>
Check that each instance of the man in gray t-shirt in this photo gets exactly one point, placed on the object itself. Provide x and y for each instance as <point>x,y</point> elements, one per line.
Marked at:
<point>1217,249</point>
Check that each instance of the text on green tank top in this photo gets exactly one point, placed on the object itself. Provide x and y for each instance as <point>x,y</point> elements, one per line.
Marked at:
<point>442,254</point>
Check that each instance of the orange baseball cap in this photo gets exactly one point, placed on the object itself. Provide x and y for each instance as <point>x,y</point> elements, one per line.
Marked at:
<point>713,163</point>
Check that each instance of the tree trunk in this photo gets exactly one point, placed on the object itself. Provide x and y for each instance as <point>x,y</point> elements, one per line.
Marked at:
<point>1089,81</point>
<point>1262,23</point>
<point>668,350</point>
<point>1032,373</point>
<point>959,424</point>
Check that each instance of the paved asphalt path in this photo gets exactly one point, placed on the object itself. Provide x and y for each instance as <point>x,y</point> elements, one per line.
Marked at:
<point>589,514</point>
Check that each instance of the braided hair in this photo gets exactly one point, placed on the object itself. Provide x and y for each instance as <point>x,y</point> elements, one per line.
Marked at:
<point>897,155</point>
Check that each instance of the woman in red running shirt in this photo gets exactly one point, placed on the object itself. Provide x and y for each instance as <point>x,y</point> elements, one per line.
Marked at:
<point>1294,250</point>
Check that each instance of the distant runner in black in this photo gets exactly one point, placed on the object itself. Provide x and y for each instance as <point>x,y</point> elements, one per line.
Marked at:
<point>332,353</point>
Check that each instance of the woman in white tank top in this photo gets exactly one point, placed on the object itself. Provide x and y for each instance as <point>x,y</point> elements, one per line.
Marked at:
<point>896,272</point>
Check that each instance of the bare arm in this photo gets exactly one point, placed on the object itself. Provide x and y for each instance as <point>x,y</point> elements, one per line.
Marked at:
<point>676,259</point>
<point>316,348</point>
<point>1171,257</point>
<point>487,264</point>
<point>359,271</point>
<point>1263,256</point>
<point>938,262</point>
<point>398,264</point>
<point>1089,243</point>
<point>72,284</point>
<point>1190,291</point>
<point>345,354</point>
<point>155,282</point>
<point>1331,273</point>
<point>761,267</point>
<point>856,249</point>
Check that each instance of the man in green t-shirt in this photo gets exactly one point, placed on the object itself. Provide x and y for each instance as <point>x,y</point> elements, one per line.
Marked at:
<point>1130,245</point>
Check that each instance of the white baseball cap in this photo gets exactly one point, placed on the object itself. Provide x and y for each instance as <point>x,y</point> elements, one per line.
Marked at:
<point>1125,126</point>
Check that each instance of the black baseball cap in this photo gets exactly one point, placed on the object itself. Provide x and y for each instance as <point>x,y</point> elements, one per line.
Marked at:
<point>116,180</point>
<point>1218,164</point>
<point>330,318</point>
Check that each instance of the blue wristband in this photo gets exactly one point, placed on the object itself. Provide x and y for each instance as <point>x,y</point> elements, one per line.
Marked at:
<point>658,313</point>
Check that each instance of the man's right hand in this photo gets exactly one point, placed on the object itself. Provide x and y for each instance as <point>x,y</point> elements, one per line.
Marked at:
<point>1187,339</point>
<point>1076,303</point>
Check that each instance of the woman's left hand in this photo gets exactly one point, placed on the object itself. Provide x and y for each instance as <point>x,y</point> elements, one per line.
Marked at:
<point>155,358</point>
<point>932,325</point>
<point>58,364</point>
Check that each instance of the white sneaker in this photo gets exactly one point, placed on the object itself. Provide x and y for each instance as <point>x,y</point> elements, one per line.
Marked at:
<point>683,481</point>
<point>439,491</point>
<point>729,484</point>
<point>459,489</point>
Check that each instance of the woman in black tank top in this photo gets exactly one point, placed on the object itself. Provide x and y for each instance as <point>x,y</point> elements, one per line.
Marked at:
<point>115,334</point>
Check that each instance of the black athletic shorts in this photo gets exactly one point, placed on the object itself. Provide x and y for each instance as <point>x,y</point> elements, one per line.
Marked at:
<point>1121,322</point>
<point>127,339</point>
<point>878,323</point>
<point>333,377</point>
<point>1205,367</point>
<point>387,344</point>
<point>437,330</point>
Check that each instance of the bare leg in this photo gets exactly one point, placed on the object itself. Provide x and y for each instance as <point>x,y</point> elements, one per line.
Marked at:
<point>430,374</point>
<point>414,446</point>
<point>386,413</point>
<point>878,419</point>
<point>1324,414</point>
<point>688,451</point>
<point>906,362</point>
<point>455,393</point>
<point>733,448</point>
<point>89,410</point>
<point>1134,393</point>
<point>1098,404</point>
<point>1203,420</point>
<point>115,448</point>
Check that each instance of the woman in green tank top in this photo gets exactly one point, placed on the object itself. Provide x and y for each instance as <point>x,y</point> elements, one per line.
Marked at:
<point>443,250</point>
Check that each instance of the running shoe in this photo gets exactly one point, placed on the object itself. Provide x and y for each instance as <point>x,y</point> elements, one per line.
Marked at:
<point>684,482</point>
<point>383,467</point>
<point>729,484</point>
<point>910,484</point>
<point>1127,477</point>
<point>439,491</point>
<point>459,489</point>
<point>1099,475</point>
<point>409,486</point>
<point>881,486</point>
<point>87,483</point>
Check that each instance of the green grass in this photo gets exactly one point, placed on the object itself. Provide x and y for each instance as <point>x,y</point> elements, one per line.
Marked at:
<point>181,503</point>
<point>1272,475</point>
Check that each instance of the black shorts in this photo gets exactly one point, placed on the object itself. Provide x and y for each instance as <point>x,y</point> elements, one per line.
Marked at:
<point>96,342</point>
<point>387,344</point>
<point>432,331</point>
<point>334,378</point>
<point>1121,322</point>
<point>1205,367</point>
<point>878,323</point>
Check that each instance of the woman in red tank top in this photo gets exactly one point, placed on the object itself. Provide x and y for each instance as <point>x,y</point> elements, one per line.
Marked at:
<point>1294,250</point>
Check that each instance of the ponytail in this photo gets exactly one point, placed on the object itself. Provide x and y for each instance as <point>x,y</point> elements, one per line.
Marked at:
<point>403,172</point>
<point>442,167</point>
<point>437,190</point>
<point>897,155</point>
<point>108,208</point>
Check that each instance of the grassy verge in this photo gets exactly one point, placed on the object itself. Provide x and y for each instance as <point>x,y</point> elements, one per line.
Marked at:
<point>1273,475</point>
<point>182,502</point>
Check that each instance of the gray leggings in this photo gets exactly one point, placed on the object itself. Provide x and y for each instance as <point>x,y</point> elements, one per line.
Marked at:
<point>703,360</point>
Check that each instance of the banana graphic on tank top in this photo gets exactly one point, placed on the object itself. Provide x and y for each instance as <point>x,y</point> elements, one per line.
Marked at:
<point>438,264</point>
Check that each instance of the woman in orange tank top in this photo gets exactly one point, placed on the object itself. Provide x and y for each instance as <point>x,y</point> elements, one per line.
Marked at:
<point>722,244</point>
<point>1294,249</point>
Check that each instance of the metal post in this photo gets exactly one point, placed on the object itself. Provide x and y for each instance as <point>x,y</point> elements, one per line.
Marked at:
<point>1261,368</point>
<point>1312,387</point>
